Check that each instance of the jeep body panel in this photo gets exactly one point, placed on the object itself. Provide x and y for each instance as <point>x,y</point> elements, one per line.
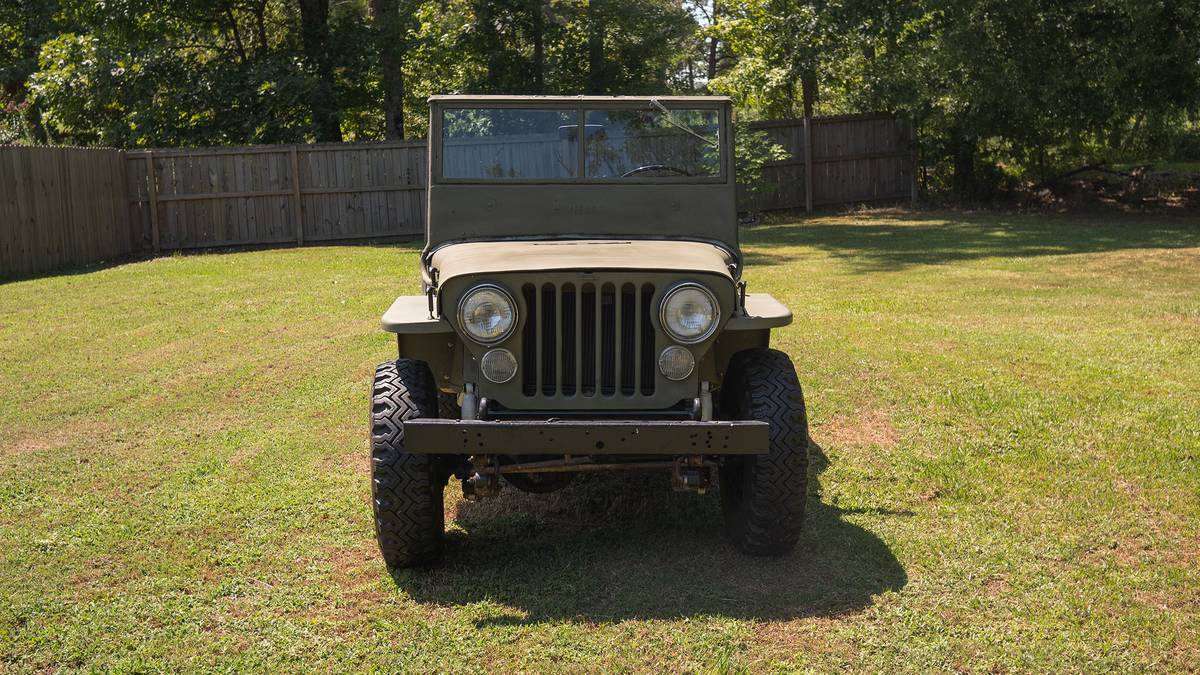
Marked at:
<point>411,315</point>
<point>534,257</point>
<point>474,212</point>
<point>760,311</point>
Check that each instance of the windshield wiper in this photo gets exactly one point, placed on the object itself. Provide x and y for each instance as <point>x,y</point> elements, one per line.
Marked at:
<point>679,125</point>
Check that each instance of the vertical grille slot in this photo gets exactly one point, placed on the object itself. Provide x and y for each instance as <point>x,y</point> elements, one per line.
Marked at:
<point>628,338</point>
<point>646,355</point>
<point>587,340</point>
<point>608,340</point>
<point>588,355</point>
<point>568,330</point>
<point>549,342</point>
<point>529,353</point>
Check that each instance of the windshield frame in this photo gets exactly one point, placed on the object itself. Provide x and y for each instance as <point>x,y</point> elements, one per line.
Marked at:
<point>581,106</point>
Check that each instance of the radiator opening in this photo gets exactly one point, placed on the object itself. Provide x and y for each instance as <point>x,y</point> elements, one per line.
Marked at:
<point>587,340</point>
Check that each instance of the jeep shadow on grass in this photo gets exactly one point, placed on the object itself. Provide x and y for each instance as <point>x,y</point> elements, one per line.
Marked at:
<point>583,310</point>
<point>618,547</point>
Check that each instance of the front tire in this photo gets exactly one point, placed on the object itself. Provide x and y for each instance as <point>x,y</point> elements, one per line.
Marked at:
<point>406,488</point>
<point>763,496</point>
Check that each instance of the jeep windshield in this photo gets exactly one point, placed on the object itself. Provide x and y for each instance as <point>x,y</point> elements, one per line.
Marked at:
<point>642,141</point>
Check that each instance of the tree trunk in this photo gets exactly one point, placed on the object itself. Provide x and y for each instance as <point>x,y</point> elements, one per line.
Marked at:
<point>713,45</point>
<point>389,34</point>
<point>963,150</point>
<point>322,99</point>
<point>808,89</point>
<point>596,82</point>
<point>260,24</point>
<point>490,46</point>
<point>539,47</point>
<point>237,34</point>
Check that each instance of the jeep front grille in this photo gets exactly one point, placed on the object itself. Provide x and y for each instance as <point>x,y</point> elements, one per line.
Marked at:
<point>587,339</point>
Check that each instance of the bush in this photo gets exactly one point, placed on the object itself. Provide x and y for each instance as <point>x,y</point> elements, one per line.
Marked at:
<point>752,149</point>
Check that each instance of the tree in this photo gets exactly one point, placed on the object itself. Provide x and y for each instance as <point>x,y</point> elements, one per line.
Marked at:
<point>322,98</point>
<point>1002,90</point>
<point>25,25</point>
<point>390,39</point>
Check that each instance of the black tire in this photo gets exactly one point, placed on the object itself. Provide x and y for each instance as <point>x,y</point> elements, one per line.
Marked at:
<point>763,496</point>
<point>448,408</point>
<point>406,488</point>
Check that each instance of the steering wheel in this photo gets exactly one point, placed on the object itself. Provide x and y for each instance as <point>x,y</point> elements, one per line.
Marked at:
<point>655,167</point>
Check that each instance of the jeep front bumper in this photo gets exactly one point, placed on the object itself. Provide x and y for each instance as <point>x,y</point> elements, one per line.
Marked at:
<point>584,437</point>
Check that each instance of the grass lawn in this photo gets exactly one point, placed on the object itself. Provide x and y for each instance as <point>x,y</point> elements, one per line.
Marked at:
<point>1006,419</point>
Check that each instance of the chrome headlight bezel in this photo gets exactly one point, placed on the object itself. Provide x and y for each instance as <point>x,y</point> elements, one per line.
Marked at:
<point>464,326</point>
<point>712,327</point>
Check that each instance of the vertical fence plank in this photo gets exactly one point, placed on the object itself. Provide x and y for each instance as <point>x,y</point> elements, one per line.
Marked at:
<point>152,192</point>
<point>808,165</point>
<point>913,158</point>
<point>297,207</point>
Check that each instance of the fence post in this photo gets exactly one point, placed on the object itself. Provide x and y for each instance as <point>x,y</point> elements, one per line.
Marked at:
<point>297,212</point>
<point>152,191</point>
<point>808,165</point>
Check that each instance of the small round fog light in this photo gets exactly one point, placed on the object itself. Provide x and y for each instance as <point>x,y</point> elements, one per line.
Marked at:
<point>676,362</point>
<point>498,365</point>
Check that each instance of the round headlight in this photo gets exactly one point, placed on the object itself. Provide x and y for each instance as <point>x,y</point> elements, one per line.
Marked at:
<point>676,362</point>
<point>690,313</point>
<point>498,365</point>
<point>487,314</point>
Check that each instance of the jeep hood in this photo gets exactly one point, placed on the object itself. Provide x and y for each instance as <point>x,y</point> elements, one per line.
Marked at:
<point>494,257</point>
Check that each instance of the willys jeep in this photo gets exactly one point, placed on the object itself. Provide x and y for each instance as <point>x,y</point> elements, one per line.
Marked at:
<point>584,310</point>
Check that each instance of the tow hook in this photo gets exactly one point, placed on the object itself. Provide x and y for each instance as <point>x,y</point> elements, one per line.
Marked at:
<point>691,475</point>
<point>484,482</point>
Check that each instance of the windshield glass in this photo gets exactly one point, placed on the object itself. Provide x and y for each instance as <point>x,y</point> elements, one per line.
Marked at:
<point>654,142</point>
<point>620,144</point>
<point>508,143</point>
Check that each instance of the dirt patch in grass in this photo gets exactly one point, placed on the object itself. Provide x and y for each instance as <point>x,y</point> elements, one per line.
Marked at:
<point>1191,319</point>
<point>869,427</point>
<point>357,462</point>
<point>65,434</point>
<point>780,642</point>
<point>355,580</point>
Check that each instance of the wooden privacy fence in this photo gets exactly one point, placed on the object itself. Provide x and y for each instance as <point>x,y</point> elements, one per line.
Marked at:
<point>276,194</point>
<point>61,207</point>
<point>848,159</point>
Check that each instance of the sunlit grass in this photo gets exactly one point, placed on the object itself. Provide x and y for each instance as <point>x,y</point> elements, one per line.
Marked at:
<point>1005,417</point>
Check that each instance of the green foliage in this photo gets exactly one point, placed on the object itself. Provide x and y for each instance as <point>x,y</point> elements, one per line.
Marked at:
<point>1004,93</point>
<point>1001,90</point>
<point>135,73</point>
<point>752,149</point>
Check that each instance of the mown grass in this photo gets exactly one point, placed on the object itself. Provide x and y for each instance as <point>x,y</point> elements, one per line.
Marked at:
<point>1005,413</point>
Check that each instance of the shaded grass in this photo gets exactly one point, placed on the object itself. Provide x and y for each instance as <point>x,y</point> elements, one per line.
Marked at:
<point>1006,475</point>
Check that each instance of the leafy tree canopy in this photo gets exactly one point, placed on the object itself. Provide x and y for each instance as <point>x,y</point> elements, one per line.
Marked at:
<point>1001,90</point>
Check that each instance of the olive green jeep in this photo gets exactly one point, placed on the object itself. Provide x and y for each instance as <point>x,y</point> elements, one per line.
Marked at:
<point>584,310</point>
